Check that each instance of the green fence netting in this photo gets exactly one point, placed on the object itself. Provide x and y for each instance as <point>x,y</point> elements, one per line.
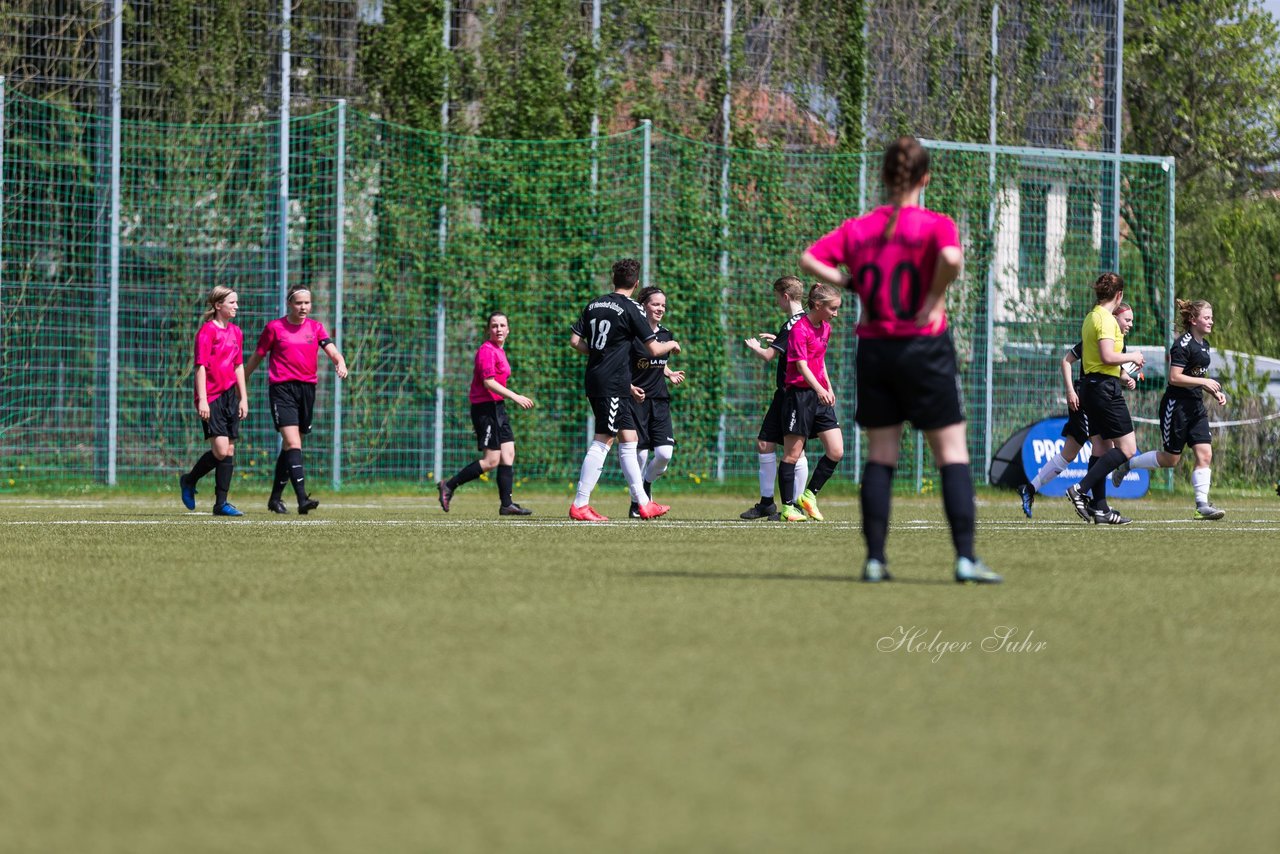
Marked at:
<point>409,239</point>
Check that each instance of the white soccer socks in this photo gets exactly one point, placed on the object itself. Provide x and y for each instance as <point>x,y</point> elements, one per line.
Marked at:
<point>589,476</point>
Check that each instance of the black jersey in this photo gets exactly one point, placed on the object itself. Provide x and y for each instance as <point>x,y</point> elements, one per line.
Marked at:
<point>780,343</point>
<point>609,324</point>
<point>1193,357</point>
<point>647,371</point>
<point>1077,350</point>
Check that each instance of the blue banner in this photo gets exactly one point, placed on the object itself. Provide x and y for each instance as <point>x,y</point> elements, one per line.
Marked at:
<point>1044,441</point>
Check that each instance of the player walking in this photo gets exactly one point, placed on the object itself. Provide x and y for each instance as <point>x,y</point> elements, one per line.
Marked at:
<point>901,257</point>
<point>1183,419</point>
<point>221,398</point>
<point>604,331</point>
<point>1101,396</point>
<point>293,343</point>
<point>808,409</point>
<point>787,291</point>
<point>651,397</point>
<point>489,419</point>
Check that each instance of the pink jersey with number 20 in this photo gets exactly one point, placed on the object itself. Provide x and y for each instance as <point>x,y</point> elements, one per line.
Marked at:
<point>891,277</point>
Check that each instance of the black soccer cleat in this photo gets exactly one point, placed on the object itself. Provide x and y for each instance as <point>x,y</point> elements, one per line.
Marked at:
<point>275,505</point>
<point>514,509</point>
<point>760,511</point>
<point>1028,496</point>
<point>1110,516</point>
<point>1079,503</point>
<point>446,495</point>
<point>305,507</point>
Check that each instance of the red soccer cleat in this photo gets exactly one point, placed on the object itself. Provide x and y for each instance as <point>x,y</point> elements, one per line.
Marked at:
<point>585,513</point>
<point>652,510</point>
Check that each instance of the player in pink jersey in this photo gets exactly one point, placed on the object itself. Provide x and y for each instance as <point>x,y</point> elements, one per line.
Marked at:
<point>900,259</point>
<point>294,343</point>
<point>808,410</point>
<point>489,418</point>
<point>221,398</point>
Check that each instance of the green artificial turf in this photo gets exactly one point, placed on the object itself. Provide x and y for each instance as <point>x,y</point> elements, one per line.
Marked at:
<point>379,676</point>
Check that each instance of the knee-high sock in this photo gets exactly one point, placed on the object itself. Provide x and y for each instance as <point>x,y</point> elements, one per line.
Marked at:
<point>657,465</point>
<point>589,476</point>
<point>296,475</point>
<point>203,466</point>
<point>222,478</point>
<point>642,457</point>
<point>1148,460</point>
<point>877,495</point>
<point>1048,472</point>
<point>787,480</point>
<point>506,479</point>
<point>1099,491</point>
<point>802,477</point>
<point>631,471</point>
<point>466,474</point>
<point>957,501</point>
<point>281,477</point>
<point>822,473</point>
<point>1107,463</point>
<point>1200,482</point>
<point>768,471</point>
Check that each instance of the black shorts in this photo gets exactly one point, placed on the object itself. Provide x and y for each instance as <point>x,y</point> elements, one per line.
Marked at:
<point>771,428</point>
<point>292,403</point>
<point>491,425</point>
<point>613,414</point>
<point>1102,399</point>
<point>1077,426</point>
<point>803,415</point>
<point>224,416</point>
<point>653,423</point>
<point>1183,422</point>
<point>908,379</point>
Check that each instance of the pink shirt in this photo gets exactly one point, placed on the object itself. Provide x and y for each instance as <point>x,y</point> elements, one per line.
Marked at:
<point>808,344</point>
<point>491,363</point>
<point>220,351</point>
<point>293,349</point>
<point>891,277</point>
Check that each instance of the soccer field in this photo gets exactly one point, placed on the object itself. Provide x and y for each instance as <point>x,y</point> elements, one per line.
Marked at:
<point>382,677</point>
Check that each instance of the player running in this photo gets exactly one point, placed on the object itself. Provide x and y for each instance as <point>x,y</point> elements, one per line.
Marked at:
<point>1076,433</point>
<point>1102,350</point>
<point>293,343</point>
<point>494,438</point>
<point>1183,419</point>
<point>901,257</point>
<point>221,398</point>
<point>787,291</point>
<point>808,410</point>
<point>604,331</point>
<point>651,397</point>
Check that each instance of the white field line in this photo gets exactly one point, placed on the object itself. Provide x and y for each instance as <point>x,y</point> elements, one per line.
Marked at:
<point>1241,526</point>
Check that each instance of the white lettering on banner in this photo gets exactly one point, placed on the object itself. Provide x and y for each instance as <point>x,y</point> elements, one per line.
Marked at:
<point>1046,448</point>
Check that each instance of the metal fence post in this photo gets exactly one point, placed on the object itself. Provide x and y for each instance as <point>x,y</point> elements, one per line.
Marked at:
<point>339,260</point>
<point>442,238</point>
<point>2,98</point>
<point>725,105</point>
<point>113,345</point>
<point>992,133</point>
<point>646,211</point>
<point>282,235</point>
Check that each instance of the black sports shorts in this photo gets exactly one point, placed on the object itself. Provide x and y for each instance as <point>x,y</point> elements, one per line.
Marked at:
<point>491,425</point>
<point>224,416</point>
<point>1183,421</point>
<point>613,414</point>
<point>1102,399</point>
<point>292,403</point>
<point>653,423</point>
<point>771,428</point>
<point>1077,426</point>
<point>804,415</point>
<point>908,379</point>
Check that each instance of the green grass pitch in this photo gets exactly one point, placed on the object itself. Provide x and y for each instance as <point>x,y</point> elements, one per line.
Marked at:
<point>382,677</point>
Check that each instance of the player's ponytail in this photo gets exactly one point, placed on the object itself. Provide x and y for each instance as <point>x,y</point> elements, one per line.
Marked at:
<point>791,286</point>
<point>1189,310</point>
<point>906,163</point>
<point>822,292</point>
<point>213,300</point>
